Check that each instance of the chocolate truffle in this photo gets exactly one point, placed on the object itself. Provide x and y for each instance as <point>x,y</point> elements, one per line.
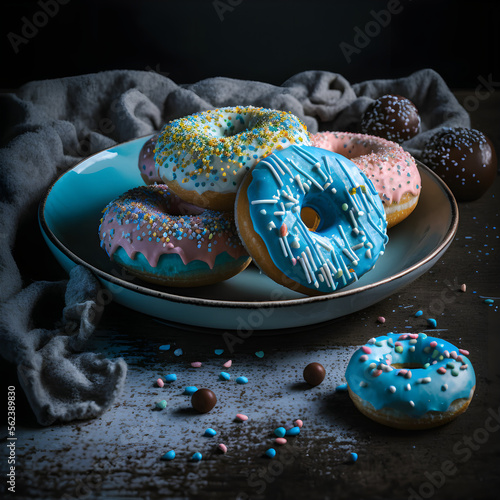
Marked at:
<point>203,400</point>
<point>314,374</point>
<point>464,158</point>
<point>392,117</point>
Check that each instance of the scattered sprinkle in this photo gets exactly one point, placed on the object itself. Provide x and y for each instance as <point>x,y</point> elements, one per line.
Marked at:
<point>432,322</point>
<point>418,314</point>
<point>196,364</point>
<point>210,432</point>
<point>381,319</point>
<point>294,431</point>
<point>197,457</point>
<point>170,455</point>
<point>354,457</point>
<point>219,351</point>
<point>191,389</point>
<point>172,377</point>
<point>280,441</point>
<point>160,383</point>
<point>178,352</point>
<point>224,376</point>
<point>489,301</point>
<point>280,432</point>
<point>341,387</point>
<point>164,347</point>
<point>260,354</point>
<point>298,423</point>
<point>242,380</point>
<point>161,404</point>
<point>222,447</point>
<point>463,288</point>
<point>228,364</point>
<point>271,452</point>
<point>241,417</point>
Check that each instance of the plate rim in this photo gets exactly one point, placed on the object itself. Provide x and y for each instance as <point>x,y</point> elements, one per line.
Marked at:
<point>171,297</point>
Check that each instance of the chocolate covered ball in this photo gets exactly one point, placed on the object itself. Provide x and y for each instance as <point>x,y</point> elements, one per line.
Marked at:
<point>203,400</point>
<point>392,117</point>
<point>314,374</point>
<point>464,158</point>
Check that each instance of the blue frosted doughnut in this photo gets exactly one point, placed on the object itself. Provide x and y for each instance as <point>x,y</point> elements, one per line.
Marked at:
<point>341,242</point>
<point>203,157</point>
<point>410,381</point>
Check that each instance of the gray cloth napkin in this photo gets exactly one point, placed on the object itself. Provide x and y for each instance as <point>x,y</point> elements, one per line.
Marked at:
<point>47,126</point>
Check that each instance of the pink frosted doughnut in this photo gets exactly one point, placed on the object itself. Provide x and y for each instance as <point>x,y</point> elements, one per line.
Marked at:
<point>146,163</point>
<point>392,170</point>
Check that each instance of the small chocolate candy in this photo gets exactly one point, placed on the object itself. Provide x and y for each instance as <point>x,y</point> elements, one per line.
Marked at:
<point>464,158</point>
<point>203,400</point>
<point>392,117</point>
<point>314,374</point>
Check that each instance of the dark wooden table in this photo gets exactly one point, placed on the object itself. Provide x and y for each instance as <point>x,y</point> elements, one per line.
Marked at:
<point>118,455</point>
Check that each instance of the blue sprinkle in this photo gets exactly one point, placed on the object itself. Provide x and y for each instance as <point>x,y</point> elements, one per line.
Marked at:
<point>354,457</point>
<point>197,457</point>
<point>432,322</point>
<point>170,455</point>
<point>219,351</point>
<point>172,377</point>
<point>489,301</point>
<point>271,452</point>
<point>178,352</point>
<point>418,314</point>
<point>242,380</point>
<point>280,432</point>
<point>224,376</point>
<point>210,432</point>
<point>341,387</point>
<point>260,354</point>
<point>164,347</point>
<point>294,431</point>
<point>190,390</point>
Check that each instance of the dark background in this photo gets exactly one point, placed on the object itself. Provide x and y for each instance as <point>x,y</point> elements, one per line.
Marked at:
<point>264,40</point>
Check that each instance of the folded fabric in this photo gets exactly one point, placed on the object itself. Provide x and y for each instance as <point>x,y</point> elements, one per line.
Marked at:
<point>50,125</point>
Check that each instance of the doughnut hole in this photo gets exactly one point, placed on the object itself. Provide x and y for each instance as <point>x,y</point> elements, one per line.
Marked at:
<point>310,218</point>
<point>407,366</point>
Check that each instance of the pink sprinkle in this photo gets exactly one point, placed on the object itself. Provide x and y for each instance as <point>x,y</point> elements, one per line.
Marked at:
<point>460,359</point>
<point>294,261</point>
<point>433,343</point>
<point>446,354</point>
<point>222,447</point>
<point>228,364</point>
<point>402,372</point>
<point>381,319</point>
<point>366,349</point>
<point>363,357</point>
<point>376,373</point>
<point>463,287</point>
<point>464,352</point>
<point>464,366</point>
<point>160,382</point>
<point>414,335</point>
<point>453,354</point>
<point>280,441</point>
<point>196,364</point>
<point>402,337</point>
<point>241,417</point>
<point>408,375</point>
<point>398,343</point>
<point>442,370</point>
<point>298,423</point>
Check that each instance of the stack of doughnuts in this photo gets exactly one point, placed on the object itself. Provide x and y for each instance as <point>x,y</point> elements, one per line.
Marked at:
<point>230,185</point>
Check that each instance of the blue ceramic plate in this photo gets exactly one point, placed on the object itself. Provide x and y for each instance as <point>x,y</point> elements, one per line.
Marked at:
<point>69,219</point>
